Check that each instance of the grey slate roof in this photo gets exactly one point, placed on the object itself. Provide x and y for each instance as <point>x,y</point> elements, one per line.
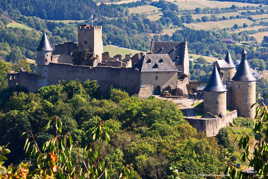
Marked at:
<point>44,44</point>
<point>229,60</point>
<point>244,72</point>
<point>215,83</point>
<point>158,63</point>
<point>175,50</point>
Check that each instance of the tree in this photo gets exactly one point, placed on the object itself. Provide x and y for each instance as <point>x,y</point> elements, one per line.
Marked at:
<point>255,154</point>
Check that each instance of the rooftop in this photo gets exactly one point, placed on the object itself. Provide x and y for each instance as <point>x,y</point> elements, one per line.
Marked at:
<point>244,72</point>
<point>158,62</point>
<point>176,50</point>
<point>44,44</point>
<point>215,83</point>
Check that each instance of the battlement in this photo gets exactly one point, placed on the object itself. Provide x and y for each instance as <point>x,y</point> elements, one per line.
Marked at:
<point>89,27</point>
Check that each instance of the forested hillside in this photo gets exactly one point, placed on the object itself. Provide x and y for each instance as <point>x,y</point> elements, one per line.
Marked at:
<point>60,10</point>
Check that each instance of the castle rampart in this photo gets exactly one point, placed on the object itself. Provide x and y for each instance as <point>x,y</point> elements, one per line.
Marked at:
<point>212,126</point>
<point>123,78</point>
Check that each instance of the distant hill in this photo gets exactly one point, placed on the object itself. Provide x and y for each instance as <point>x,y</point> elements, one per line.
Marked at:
<point>59,10</point>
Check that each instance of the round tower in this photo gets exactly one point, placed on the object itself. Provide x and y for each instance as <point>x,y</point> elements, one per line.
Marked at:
<point>44,51</point>
<point>244,89</point>
<point>215,95</point>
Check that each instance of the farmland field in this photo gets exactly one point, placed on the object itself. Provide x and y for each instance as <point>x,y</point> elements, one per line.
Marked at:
<point>218,24</point>
<point>151,12</point>
<point>198,16</point>
<point>193,4</point>
<point>259,36</point>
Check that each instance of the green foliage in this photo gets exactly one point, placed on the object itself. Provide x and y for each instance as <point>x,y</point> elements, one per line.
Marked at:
<point>254,153</point>
<point>122,134</point>
<point>4,69</point>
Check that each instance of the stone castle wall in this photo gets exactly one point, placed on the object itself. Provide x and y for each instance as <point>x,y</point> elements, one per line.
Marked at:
<point>212,126</point>
<point>122,78</point>
<point>29,80</point>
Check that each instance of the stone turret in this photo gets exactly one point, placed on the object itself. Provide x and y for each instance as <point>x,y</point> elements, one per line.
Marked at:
<point>230,70</point>
<point>244,89</point>
<point>185,60</point>
<point>215,95</point>
<point>44,51</point>
<point>90,40</point>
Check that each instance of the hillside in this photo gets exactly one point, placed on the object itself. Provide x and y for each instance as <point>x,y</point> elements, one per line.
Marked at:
<point>211,27</point>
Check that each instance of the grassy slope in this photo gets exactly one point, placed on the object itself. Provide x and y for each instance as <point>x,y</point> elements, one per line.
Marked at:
<point>114,50</point>
<point>17,25</point>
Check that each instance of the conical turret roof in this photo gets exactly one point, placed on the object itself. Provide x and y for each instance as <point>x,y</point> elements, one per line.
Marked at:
<point>229,60</point>
<point>215,83</point>
<point>244,72</point>
<point>44,44</point>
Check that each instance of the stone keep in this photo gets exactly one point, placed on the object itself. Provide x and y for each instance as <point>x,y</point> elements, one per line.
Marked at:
<point>244,89</point>
<point>44,51</point>
<point>90,39</point>
<point>215,95</point>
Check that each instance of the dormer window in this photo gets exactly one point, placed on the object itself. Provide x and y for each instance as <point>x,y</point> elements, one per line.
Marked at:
<point>149,61</point>
<point>155,66</point>
<point>160,50</point>
<point>161,60</point>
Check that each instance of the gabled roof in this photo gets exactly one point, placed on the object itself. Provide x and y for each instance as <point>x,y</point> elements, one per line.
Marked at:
<point>44,44</point>
<point>244,72</point>
<point>215,83</point>
<point>175,50</point>
<point>158,63</point>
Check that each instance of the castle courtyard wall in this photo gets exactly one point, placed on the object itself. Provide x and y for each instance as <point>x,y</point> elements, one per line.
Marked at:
<point>211,126</point>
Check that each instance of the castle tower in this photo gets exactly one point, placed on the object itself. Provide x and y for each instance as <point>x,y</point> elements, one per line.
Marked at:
<point>215,95</point>
<point>230,70</point>
<point>185,60</point>
<point>90,39</point>
<point>244,89</point>
<point>44,51</point>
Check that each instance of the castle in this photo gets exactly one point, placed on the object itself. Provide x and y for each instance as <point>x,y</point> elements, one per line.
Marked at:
<point>164,69</point>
